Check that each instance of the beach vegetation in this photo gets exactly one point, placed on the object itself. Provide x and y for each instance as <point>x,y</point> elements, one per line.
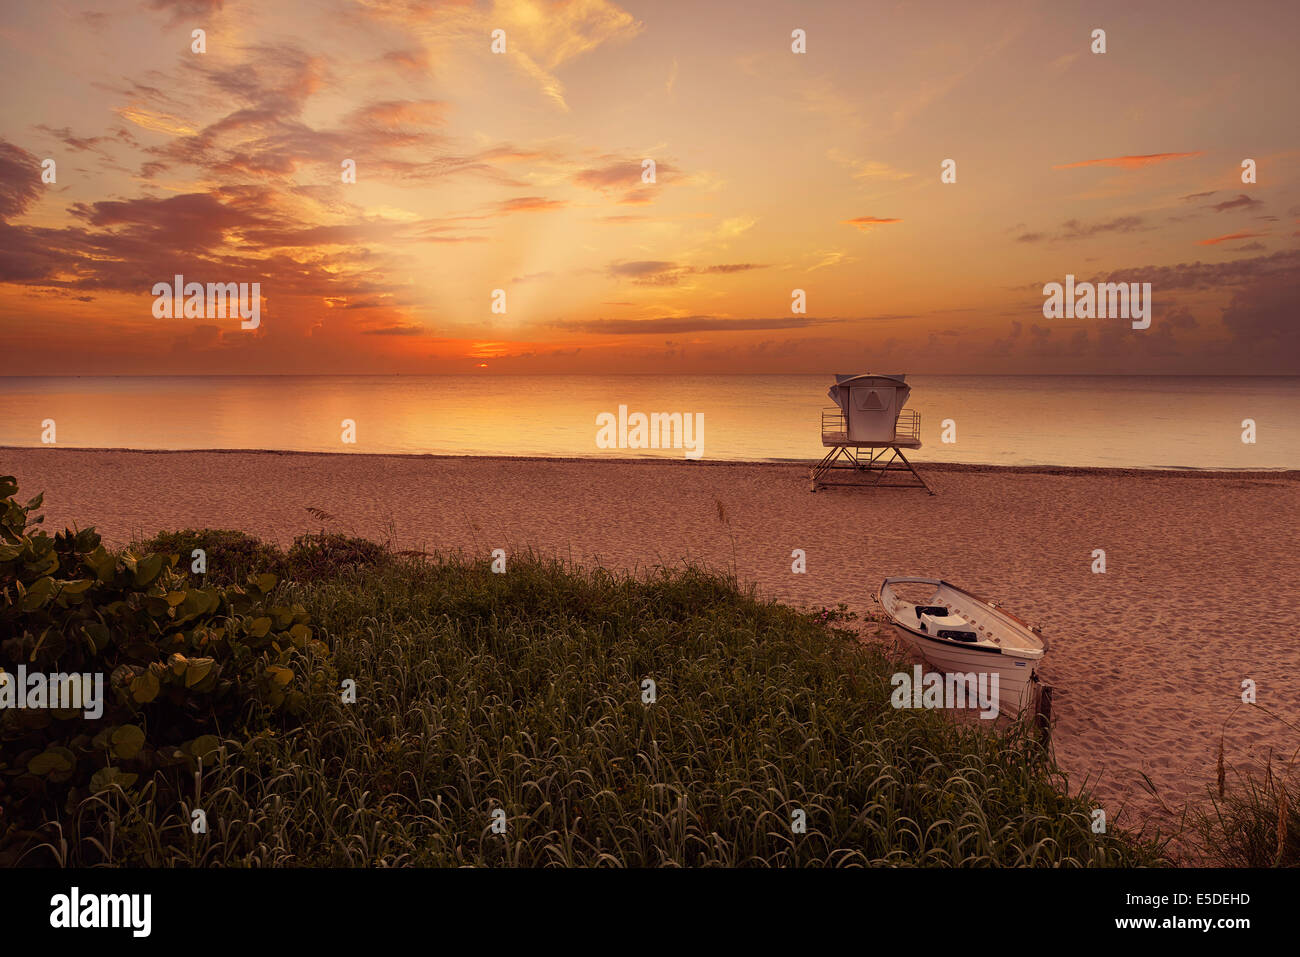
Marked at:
<point>186,666</point>
<point>496,720</point>
<point>1252,817</point>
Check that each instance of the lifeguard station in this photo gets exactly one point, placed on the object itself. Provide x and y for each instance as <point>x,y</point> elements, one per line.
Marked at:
<point>868,416</point>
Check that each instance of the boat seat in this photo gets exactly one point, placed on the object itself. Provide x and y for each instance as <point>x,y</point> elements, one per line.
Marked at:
<point>938,610</point>
<point>953,627</point>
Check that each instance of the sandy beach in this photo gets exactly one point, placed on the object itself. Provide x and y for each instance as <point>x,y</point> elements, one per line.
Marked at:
<point>1147,659</point>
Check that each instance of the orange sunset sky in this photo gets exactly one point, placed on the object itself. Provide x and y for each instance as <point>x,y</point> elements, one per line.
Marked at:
<point>521,171</point>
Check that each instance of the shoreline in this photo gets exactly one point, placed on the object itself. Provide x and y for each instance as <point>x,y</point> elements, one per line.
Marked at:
<point>1287,474</point>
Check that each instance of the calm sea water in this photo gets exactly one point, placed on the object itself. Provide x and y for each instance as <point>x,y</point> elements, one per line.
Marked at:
<point>1163,422</point>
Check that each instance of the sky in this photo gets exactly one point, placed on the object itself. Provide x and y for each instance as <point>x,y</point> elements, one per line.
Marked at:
<point>524,172</point>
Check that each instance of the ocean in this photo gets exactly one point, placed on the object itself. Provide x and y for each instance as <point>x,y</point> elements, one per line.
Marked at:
<point>1116,421</point>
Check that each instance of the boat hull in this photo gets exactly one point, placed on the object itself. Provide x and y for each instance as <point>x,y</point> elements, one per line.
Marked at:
<point>1015,674</point>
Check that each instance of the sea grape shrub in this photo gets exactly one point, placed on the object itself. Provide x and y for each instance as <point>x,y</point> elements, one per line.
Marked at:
<point>182,665</point>
<point>230,556</point>
<point>325,555</point>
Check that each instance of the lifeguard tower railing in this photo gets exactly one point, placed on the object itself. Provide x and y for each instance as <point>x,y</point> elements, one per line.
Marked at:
<point>835,427</point>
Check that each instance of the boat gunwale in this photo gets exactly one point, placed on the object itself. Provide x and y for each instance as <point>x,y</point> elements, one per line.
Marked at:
<point>1041,651</point>
<point>949,643</point>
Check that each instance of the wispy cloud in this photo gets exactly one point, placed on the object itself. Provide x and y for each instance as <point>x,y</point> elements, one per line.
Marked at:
<point>1230,238</point>
<point>1241,202</point>
<point>868,170</point>
<point>661,273</point>
<point>1073,229</point>
<point>530,204</point>
<point>675,325</point>
<point>1130,162</point>
<point>156,122</point>
<point>540,37</point>
<point>868,223</point>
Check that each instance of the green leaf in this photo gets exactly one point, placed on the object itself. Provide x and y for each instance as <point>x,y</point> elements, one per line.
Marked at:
<point>266,581</point>
<point>37,593</point>
<point>52,761</point>
<point>128,740</point>
<point>105,778</point>
<point>204,745</point>
<point>147,569</point>
<point>145,688</point>
<point>197,670</point>
<point>101,563</point>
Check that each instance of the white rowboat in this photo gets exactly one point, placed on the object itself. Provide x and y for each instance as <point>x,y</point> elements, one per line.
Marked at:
<point>960,633</point>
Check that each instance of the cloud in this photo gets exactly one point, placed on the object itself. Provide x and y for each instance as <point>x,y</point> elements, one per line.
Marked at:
<point>643,267</point>
<point>1262,316</point>
<point>79,143</point>
<point>156,122</point>
<point>20,180</point>
<point>413,60</point>
<point>530,204</point>
<point>867,223</point>
<point>1130,162</point>
<point>1242,200</point>
<point>186,9</point>
<point>228,234</point>
<point>395,330</point>
<point>623,175</point>
<point>831,257</point>
<point>401,114</point>
<point>1073,229</point>
<point>660,273</point>
<point>541,37</point>
<point>619,174</point>
<point>1201,276</point>
<point>1229,238</point>
<point>868,169</point>
<point>675,325</point>
<point>730,268</point>
<point>261,134</point>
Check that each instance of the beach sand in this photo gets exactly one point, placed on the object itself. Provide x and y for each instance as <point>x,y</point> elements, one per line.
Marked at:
<point>1147,660</point>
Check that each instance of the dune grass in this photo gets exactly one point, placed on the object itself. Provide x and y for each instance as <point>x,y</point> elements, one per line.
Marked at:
<point>1252,818</point>
<point>485,697</point>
